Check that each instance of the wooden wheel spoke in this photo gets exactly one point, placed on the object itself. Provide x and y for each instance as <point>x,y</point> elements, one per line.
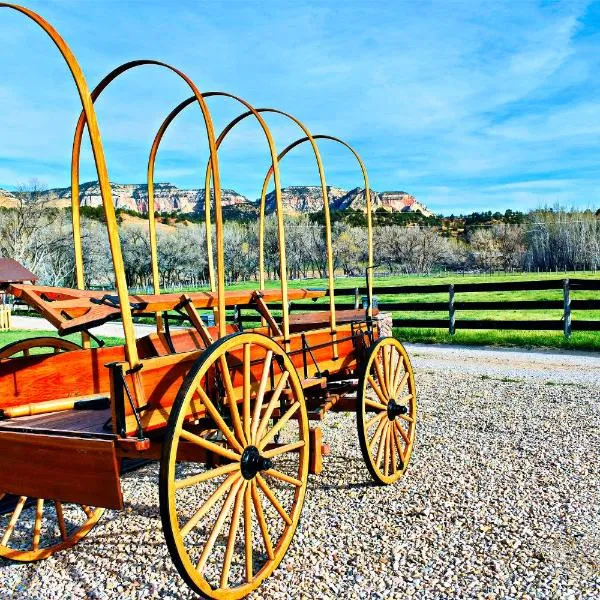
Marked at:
<point>407,418</point>
<point>283,477</point>
<point>399,447</point>
<point>284,449</point>
<point>218,419</point>
<point>235,523</point>
<point>380,377</point>
<point>216,530</point>
<point>210,446</point>
<point>377,391</point>
<point>397,372</point>
<point>264,422</point>
<point>248,534</point>
<point>387,366</point>
<point>393,451</point>
<point>37,526</point>
<point>272,499</point>
<point>401,384</point>
<point>382,444</point>
<point>207,475</point>
<point>388,451</point>
<point>87,510</point>
<point>402,432</point>
<point>260,395</point>
<point>376,435</point>
<point>231,400</point>
<point>13,520</point>
<point>212,500</point>
<point>247,390</point>
<point>61,520</point>
<point>262,523</point>
<point>289,413</point>
<point>374,420</point>
<point>375,405</point>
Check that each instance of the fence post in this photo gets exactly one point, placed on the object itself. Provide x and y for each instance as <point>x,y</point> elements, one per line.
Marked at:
<point>356,298</point>
<point>566,308</point>
<point>451,312</point>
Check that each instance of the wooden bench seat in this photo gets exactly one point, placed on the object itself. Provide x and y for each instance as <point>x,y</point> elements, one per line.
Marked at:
<point>319,319</point>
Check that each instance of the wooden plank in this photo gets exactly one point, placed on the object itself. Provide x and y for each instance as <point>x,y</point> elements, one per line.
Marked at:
<point>581,325</point>
<point>44,377</point>
<point>69,469</point>
<point>585,284</point>
<point>585,304</point>
<point>69,422</point>
<point>482,286</point>
<point>421,323</point>
<point>541,325</point>
<point>305,321</point>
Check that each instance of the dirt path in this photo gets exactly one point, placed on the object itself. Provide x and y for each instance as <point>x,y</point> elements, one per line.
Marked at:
<point>544,366</point>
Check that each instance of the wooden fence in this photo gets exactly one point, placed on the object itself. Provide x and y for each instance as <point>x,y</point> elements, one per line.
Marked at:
<point>4,317</point>
<point>355,297</point>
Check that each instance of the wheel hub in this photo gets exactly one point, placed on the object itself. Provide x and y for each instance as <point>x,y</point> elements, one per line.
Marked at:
<point>394,409</point>
<point>252,462</point>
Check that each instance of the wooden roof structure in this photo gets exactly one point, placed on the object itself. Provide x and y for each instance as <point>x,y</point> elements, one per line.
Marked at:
<point>12,271</point>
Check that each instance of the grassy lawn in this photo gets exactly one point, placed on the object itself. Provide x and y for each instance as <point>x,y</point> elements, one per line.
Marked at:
<point>551,339</point>
<point>8,337</point>
<point>580,340</point>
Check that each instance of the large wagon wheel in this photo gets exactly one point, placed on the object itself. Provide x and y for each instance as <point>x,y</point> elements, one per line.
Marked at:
<point>24,347</point>
<point>256,477</point>
<point>386,411</point>
<point>34,528</point>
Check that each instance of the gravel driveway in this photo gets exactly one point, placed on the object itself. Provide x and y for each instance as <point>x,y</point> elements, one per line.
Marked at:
<point>502,500</point>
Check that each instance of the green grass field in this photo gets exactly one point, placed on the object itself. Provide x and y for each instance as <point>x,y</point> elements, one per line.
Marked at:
<point>551,339</point>
<point>8,337</point>
<point>508,338</point>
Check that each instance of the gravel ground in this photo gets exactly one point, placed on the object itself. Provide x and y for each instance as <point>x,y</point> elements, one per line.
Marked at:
<point>502,500</point>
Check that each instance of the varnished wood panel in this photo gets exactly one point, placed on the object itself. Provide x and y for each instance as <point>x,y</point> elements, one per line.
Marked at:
<point>40,378</point>
<point>69,469</point>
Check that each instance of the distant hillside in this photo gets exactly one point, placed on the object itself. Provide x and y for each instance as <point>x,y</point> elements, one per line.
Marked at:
<point>171,199</point>
<point>299,199</point>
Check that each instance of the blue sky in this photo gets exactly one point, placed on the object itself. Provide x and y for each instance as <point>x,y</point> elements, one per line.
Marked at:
<point>466,105</point>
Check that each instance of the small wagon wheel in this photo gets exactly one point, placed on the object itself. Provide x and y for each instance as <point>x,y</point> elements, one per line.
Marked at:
<point>229,522</point>
<point>386,411</point>
<point>54,345</point>
<point>33,528</point>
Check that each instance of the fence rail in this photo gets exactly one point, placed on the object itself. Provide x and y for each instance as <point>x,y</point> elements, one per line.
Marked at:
<point>452,306</point>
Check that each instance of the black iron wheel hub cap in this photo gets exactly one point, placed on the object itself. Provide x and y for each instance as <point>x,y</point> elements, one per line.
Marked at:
<point>394,409</point>
<point>252,462</point>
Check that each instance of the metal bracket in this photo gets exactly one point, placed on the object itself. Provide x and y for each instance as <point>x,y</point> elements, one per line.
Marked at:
<point>113,302</point>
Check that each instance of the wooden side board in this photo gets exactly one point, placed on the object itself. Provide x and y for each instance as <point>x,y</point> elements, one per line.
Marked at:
<point>39,378</point>
<point>163,376</point>
<point>69,469</point>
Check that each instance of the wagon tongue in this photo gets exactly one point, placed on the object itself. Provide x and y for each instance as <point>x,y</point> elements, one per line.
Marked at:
<point>252,462</point>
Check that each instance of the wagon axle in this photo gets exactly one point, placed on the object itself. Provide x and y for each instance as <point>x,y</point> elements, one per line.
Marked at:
<point>252,462</point>
<point>394,410</point>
